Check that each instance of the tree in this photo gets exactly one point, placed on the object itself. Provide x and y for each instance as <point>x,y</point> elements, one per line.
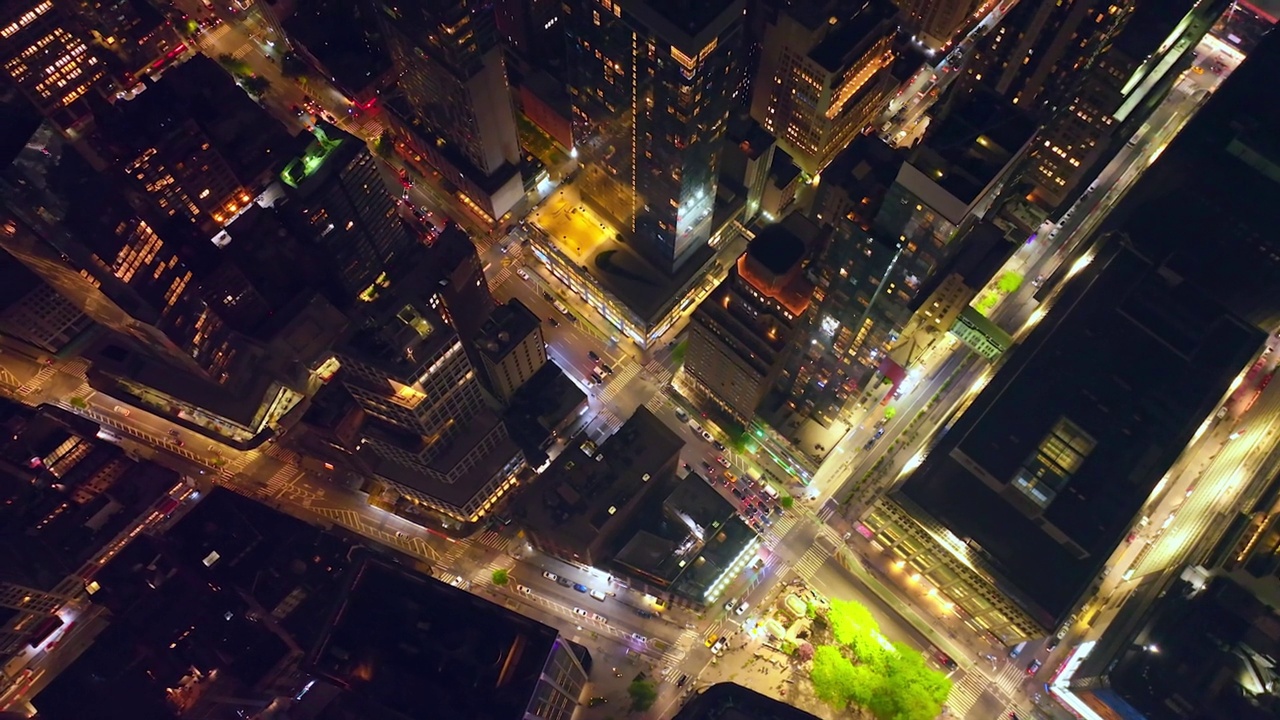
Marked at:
<point>1009,283</point>
<point>643,695</point>
<point>832,676</point>
<point>805,652</point>
<point>787,502</point>
<point>385,144</point>
<point>236,67</point>
<point>255,85</point>
<point>500,577</point>
<point>849,620</point>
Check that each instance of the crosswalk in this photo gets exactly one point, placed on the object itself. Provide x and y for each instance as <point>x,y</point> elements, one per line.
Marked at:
<point>281,479</point>
<point>243,51</point>
<point>813,559</point>
<point>609,423</point>
<point>37,380</point>
<point>365,127</point>
<point>661,373</point>
<point>1011,677</point>
<point>774,533</point>
<point>494,540</point>
<point>76,366</point>
<point>965,694</point>
<point>498,278</point>
<point>619,381</point>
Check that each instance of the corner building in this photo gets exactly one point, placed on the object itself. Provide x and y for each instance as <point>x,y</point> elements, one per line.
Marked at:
<point>652,84</point>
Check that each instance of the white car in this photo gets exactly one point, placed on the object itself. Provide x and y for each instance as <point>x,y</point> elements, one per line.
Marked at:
<point>580,611</point>
<point>639,638</point>
<point>729,605</point>
<point>707,436</point>
<point>524,589</point>
<point>524,274</point>
<point>550,576</point>
<point>742,608</point>
<point>718,648</point>
<point>600,619</point>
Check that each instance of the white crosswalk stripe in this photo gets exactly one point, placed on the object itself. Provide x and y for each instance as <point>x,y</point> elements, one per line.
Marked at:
<point>501,276</point>
<point>37,380</point>
<point>1011,677</point>
<point>779,529</point>
<point>813,558</point>
<point>661,373</point>
<point>609,423</point>
<point>618,381</point>
<point>491,539</point>
<point>76,366</point>
<point>965,694</point>
<point>242,51</point>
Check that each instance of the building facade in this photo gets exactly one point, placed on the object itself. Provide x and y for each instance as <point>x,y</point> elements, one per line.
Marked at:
<point>652,83</point>
<point>512,347</point>
<point>824,74</point>
<point>47,56</point>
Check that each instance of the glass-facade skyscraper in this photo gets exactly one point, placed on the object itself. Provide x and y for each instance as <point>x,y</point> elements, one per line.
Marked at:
<point>652,84</point>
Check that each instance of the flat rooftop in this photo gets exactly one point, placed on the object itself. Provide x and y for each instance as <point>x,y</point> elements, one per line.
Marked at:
<point>591,241</point>
<point>508,325</point>
<point>413,647</point>
<point>579,498</point>
<point>730,701</point>
<point>1110,386</point>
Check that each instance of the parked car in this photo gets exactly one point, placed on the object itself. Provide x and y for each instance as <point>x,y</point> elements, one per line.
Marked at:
<point>551,576</point>
<point>1034,666</point>
<point>580,587</point>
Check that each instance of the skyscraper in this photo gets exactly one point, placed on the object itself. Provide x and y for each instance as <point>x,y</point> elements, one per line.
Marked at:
<point>743,332</point>
<point>652,83</point>
<point>454,80</point>
<point>335,197</point>
<point>45,54</point>
<point>936,21</point>
<point>824,72</point>
<point>429,430</point>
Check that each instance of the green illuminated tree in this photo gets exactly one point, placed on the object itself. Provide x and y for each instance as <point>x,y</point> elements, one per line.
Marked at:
<point>385,144</point>
<point>643,695</point>
<point>786,501</point>
<point>1009,283</point>
<point>832,676</point>
<point>501,577</point>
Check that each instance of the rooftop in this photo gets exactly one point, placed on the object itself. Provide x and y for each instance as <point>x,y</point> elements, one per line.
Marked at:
<point>1112,383</point>
<point>196,598</point>
<point>506,328</point>
<point>729,701</point>
<point>855,36</point>
<point>689,27</point>
<point>1211,194</point>
<point>413,647</point>
<point>582,499</point>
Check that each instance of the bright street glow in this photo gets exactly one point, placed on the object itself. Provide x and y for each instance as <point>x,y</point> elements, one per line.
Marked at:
<point>1081,263</point>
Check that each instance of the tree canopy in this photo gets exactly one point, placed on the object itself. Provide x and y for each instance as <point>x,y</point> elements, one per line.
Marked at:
<point>890,680</point>
<point>643,695</point>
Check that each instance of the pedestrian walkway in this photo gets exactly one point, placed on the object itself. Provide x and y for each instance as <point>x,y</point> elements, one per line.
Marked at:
<point>76,366</point>
<point>813,559</point>
<point>619,381</point>
<point>965,694</point>
<point>661,373</point>
<point>342,516</point>
<point>494,540</point>
<point>243,51</point>
<point>609,423</point>
<point>37,380</point>
<point>283,454</point>
<point>281,479</point>
<point>498,278</point>
<point>774,533</point>
<point>1010,677</point>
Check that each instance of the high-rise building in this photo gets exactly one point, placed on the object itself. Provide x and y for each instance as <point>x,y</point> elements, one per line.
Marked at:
<point>1013,516</point>
<point>47,57</point>
<point>192,142</point>
<point>33,312</point>
<point>511,347</point>
<point>454,80</point>
<point>334,197</point>
<point>743,332</point>
<point>936,22</point>
<point>1037,53</point>
<point>429,429</point>
<point>824,73</point>
<point>652,84</point>
<point>531,28</point>
<point>1138,63</point>
<point>137,33</point>
<point>67,497</point>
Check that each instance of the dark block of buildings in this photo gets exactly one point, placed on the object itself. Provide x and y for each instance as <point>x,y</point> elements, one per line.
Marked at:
<point>730,701</point>
<point>406,646</point>
<point>1038,480</point>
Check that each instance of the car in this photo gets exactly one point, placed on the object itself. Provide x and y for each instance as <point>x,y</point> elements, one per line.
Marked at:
<point>592,354</point>
<point>593,702</point>
<point>730,477</point>
<point>580,587</point>
<point>719,647</point>
<point>720,459</point>
<point>706,436</point>
<point>548,296</point>
<point>121,410</point>
<point>524,274</point>
<point>684,678</point>
<point>945,660</point>
<point>524,589</point>
<point>554,322</point>
<point>681,415</point>
<point>597,595</point>
<point>1053,643</point>
<point>172,433</point>
<point>718,445</point>
<point>458,581</point>
<point>729,605</point>
<point>639,638</point>
<point>646,614</point>
<point>742,608</point>
<point>1034,667</point>
<point>606,370</point>
<point>600,619</point>
<point>879,433</point>
<point>707,466</point>
<point>296,110</point>
<point>712,640</point>
<point>581,612</point>
<point>737,492</point>
<point>564,582</point>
